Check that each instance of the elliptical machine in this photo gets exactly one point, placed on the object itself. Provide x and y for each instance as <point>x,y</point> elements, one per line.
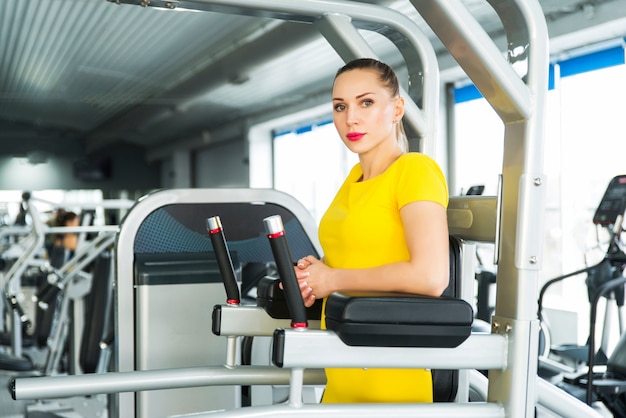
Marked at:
<point>604,280</point>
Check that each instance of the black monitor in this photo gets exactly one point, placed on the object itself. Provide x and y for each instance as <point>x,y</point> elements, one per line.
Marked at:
<point>613,202</point>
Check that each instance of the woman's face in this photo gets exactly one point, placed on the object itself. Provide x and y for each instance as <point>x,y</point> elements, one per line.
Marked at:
<point>364,112</point>
<point>73,222</point>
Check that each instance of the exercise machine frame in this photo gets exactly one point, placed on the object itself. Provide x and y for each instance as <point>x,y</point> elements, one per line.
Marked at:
<point>517,98</point>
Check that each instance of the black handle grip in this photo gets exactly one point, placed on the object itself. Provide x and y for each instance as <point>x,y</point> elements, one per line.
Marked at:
<point>284,264</point>
<point>225,263</point>
<point>12,388</point>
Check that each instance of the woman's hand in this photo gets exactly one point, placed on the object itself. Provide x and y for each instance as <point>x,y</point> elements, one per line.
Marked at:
<point>308,297</point>
<point>314,279</point>
<point>312,275</point>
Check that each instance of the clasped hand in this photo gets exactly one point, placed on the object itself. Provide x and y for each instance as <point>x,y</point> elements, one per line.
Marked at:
<point>312,275</point>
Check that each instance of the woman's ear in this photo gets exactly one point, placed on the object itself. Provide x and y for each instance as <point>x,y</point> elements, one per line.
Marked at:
<point>399,109</point>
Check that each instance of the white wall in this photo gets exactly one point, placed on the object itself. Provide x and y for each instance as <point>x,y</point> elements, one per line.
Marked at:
<point>222,166</point>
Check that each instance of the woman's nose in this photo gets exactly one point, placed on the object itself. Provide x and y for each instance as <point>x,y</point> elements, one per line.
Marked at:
<point>351,116</point>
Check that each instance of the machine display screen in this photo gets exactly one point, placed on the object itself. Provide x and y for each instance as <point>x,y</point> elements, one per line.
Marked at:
<point>613,202</point>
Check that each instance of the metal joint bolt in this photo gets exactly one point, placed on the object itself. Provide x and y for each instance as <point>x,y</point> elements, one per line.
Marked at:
<point>533,260</point>
<point>537,181</point>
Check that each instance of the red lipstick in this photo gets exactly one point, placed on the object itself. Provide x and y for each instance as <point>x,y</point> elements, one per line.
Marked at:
<point>354,136</point>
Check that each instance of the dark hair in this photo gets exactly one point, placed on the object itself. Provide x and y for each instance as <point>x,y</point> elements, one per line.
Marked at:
<point>388,78</point>
<point>386,75</point>
<point>63,217</point>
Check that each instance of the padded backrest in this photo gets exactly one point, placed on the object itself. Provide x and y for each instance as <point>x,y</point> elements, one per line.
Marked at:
<point>57,256</point>
<point>454,286</point>
<point>47,301</point>
<point>445,382</point>
<point>182,229</point>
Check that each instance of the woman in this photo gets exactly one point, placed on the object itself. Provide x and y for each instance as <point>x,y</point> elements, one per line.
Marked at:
<point>64,244</point>
<point>386,229</point>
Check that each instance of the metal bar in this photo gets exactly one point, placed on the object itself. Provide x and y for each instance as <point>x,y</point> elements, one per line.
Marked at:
<point>20,265</point>
<point>10,230</point>
<point>85,256</point>
<point>252,321</point>
<point>104,204</point>
<point>12,283</point>
<point>79,229</point>
<point>474,50</point>
<point>248,321</point>
<point>479,351</point>
<point>135,381</point>
<point>439,410</point>
<point>549,397</point>
<point>519,100</point>
<point>562,403</point>
<point>363,16</point>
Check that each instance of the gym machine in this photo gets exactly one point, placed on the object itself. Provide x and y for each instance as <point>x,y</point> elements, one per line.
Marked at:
<point>518,99</point>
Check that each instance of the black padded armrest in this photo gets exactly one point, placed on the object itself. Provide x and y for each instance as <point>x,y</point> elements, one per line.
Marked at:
<point>398,319</point>
<point>272,299</point>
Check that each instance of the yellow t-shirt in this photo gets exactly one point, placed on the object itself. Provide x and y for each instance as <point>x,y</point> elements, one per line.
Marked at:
<point>362,228</point>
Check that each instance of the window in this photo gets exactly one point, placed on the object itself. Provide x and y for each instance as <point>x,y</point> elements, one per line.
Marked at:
<point>584,150</point>
<point>310,164</point>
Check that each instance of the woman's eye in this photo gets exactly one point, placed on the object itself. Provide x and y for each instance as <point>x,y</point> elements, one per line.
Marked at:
<point>340,108</point>
<point>367,102</point>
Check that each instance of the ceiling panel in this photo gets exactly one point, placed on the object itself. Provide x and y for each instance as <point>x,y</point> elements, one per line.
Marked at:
<point>100,73</point>
<point>75,63</point>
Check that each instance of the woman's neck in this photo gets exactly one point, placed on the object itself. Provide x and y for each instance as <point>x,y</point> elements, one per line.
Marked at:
<point>376,161</point>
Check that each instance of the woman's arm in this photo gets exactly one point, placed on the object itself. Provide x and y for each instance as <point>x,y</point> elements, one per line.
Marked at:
<point>426,272</point>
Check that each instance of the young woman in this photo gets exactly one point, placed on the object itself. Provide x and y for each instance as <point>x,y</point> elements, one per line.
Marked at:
<point>386,229</point>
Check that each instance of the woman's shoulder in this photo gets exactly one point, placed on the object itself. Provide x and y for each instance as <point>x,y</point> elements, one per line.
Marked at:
<point>419,177</point>
<point>417,160</point>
